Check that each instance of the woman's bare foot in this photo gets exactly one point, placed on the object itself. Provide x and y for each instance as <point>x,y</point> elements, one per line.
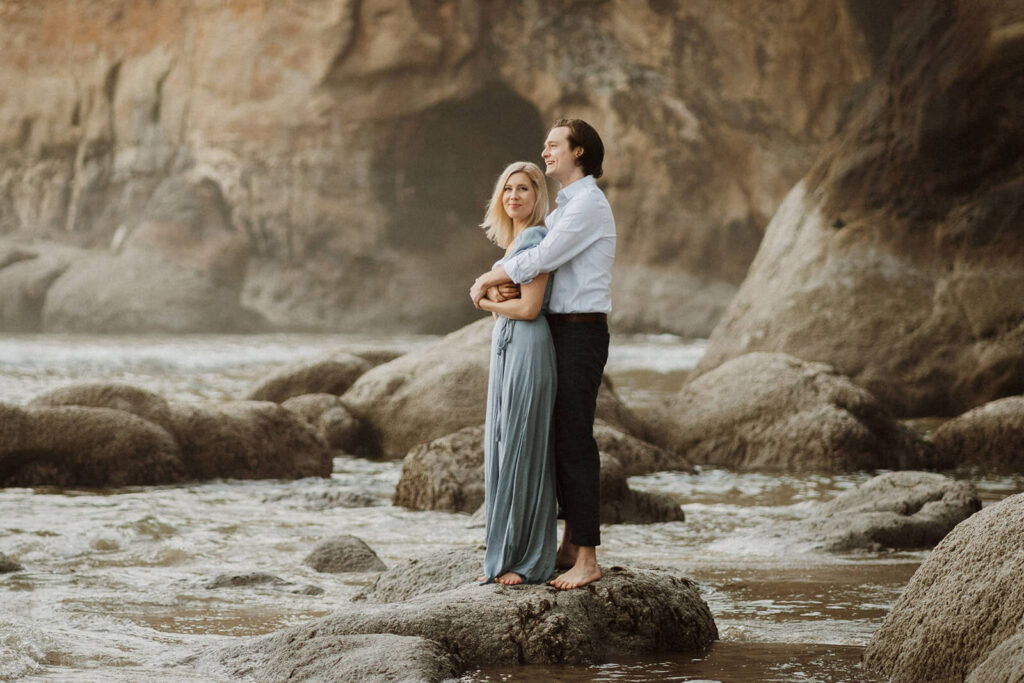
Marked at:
<point>583,572</point>
<point>481,579</point>
<point>509,579</point>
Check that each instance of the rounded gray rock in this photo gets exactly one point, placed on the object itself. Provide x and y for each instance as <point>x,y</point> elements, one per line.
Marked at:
<point>770,411</point>
<point>333,375</point>
<point>899,510</point>
<point>82,446</point>
<point>344,554</point>
<point>990,436</point>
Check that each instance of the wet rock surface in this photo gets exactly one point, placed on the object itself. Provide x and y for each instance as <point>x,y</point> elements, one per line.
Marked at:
<point>344,554</point>
<point>428,575</point>
<point>627,613</point>
<point>898,510</point>
<point>771,411</point>
<point>990,436</point>
<point>963,608</point>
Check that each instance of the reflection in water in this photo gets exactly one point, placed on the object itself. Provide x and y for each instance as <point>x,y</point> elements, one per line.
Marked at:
<point>115,585</point>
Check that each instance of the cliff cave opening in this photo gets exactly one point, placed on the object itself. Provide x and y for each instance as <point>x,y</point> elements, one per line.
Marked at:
<point>435,175</point>
<point>444,161</point>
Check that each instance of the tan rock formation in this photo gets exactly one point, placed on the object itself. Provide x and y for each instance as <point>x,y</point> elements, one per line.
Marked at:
<point>770,411</point>
<point>899,258</point>
<point>962,609</point>
<point>990,436</point>
<point>354,142</point>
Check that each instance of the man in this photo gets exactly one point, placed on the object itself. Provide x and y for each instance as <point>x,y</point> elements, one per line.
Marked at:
<point>580,245</point>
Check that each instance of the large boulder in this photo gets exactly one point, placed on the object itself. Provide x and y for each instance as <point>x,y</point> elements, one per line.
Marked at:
<point>899,258</point>
<point>114,395</point>
<point>1004,663</point>
<point>110,293</point>
<point>333,375</point>
<point>771,411</point>
<point>79,446</point>
<point>990,436</point>
<point>237,439</point>
<point>963,610</point>
<point>26,274</point>
<point>344,554</point>
<point>899,510</point>
<point>248,440</point>
<point>441,388</point>
<point>444,474</point>
<point>448,474</point>
<point>627,613</point>
<point>177,267</point>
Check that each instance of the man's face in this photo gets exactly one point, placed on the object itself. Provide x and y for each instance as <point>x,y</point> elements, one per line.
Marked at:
<point>559,160</point>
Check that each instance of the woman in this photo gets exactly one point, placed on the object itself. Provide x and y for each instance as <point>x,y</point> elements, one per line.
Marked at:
<point>518,463</point>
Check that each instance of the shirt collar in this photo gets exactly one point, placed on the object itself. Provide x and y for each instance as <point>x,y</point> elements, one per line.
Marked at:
<point>567,193</point>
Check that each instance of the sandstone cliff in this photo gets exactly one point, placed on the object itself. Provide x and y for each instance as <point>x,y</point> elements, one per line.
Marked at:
<point>899,258</point>
<point>352,143</point>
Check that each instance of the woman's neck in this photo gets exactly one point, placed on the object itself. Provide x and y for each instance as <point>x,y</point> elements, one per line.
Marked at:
<point>518,227</point>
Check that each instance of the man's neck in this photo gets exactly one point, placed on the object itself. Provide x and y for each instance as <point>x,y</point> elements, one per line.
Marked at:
<point>579,175</point>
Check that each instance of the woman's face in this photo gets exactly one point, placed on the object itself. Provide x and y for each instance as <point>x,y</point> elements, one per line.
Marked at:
<point>519,197</point>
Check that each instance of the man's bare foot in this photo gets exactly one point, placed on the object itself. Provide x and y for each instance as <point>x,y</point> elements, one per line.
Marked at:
<point>509,579</point>
<point>583,572</point>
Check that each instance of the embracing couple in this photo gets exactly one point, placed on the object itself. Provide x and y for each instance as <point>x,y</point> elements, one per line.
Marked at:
<point>551,294</point>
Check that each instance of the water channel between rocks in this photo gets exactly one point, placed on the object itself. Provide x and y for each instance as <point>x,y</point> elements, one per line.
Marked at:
<point>115,582</point>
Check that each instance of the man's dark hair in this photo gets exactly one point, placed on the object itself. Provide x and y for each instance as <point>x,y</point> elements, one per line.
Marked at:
<point>582,134</point>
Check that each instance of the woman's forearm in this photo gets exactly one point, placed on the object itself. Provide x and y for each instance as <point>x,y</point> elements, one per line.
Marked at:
<point>514,309</point>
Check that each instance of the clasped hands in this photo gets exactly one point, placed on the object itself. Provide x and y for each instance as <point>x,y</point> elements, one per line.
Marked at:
<point>495,293</point>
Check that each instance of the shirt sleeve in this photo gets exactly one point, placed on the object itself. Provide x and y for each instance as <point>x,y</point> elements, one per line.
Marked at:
<point>577,228</point>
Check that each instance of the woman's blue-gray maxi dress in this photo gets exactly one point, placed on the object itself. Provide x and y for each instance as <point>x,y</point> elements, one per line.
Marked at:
<point>519,467</point>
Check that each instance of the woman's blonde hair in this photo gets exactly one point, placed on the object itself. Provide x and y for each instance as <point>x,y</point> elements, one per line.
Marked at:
<point>497,224</point>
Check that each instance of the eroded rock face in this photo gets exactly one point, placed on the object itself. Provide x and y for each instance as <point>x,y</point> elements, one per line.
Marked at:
<point>895,510</point>
<point>25,277</point>
<point>439,389</point>
<point>899,258</point>
<point>990,436</point>
<point>353,141</point>
<point>332,375</point>
<point>628,612</point>
<point>344,554</point>
<point>79,446</point>
<point>771,411</point>
<point>961,605</point>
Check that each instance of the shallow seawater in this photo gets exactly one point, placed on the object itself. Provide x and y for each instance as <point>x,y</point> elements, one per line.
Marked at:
<point>115,585</point>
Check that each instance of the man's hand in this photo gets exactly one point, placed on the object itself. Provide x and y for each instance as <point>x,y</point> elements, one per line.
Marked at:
<point>477,292</point>
<point>504,292</point>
